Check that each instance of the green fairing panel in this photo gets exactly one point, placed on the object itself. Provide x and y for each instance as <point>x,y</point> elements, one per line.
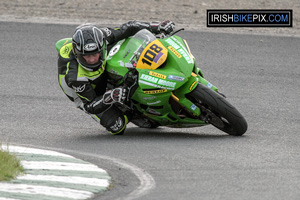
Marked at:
<point>116,62</point>
<point>62,42</point>
<point>178,55</point>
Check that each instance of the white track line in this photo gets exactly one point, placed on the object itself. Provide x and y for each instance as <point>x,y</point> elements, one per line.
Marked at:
<point>147,182</point>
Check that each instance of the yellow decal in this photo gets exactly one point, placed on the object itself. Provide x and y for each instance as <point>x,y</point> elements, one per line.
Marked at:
<point>157,75</point>
<point>153,56</point>
<point>188,48</point>
<point>193,85</point>
<point>66,42</point>
<point>155,91</point>
<point>65,50</point>
<point>174,51</point>
<point>193,74</point>
<point>174,97</point>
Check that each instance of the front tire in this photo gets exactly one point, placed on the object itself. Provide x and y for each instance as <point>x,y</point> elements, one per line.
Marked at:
<point>216,110</point>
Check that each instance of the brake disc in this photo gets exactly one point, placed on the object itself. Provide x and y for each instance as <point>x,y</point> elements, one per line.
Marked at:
<point>211,117</point>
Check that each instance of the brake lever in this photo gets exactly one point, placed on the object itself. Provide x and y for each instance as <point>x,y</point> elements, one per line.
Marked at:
<point>182,29</point>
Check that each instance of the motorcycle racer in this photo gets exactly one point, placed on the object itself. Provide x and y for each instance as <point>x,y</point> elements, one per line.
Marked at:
<point>82,75</point>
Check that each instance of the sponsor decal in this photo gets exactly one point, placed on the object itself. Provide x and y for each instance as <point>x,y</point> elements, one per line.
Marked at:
<point>155,91</point>
<point>193,107</point>
<point>174,51</point>
<point>157,75</point>
<point>166,83</point>
<point>148,98</point>
<point>90,47</point>
<point>176,78</point>
<point>152,111</point>
<point>128,65</point>
<point>209,85</point>
<point>185,55</point>
<point>149,78</point>
<point>154,85</point>
<point>152,103</point>
<point>80,88</point>
<point>179,48</point>
<point>114,50</point>
<point>158,81</point>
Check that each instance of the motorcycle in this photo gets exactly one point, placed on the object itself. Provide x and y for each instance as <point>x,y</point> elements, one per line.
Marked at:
<point>166,88</point>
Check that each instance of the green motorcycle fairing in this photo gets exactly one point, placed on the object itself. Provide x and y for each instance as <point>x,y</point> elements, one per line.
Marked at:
<point>163,78</point>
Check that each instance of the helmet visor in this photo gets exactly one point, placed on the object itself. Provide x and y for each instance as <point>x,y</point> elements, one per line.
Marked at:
<point>91,61</point>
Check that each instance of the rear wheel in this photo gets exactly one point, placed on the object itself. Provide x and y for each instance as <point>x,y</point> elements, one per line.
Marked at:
<point>217,111</point>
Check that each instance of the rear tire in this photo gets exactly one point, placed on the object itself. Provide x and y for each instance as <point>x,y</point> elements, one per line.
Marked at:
<point>216,110</point>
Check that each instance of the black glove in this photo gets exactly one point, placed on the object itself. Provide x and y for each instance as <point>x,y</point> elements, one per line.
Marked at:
<point>166,27</point>
<point>115,95</point>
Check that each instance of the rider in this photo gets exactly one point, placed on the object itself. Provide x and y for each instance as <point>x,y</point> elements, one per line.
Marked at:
<point>82,75</point>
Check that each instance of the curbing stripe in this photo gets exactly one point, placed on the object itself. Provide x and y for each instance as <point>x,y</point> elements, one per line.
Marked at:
<point>17,149</point>
<point>60,166</point>
<point>67,173</point>
<point>70,179</point>
<point>45,190</point>
<point>89,188</point>
<point>20,196</point>
<point>40,157</point>
<point>4,198</point>
<point>51,175</point>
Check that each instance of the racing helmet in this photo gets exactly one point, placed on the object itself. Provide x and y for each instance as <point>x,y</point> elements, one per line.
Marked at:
<point>88,40</point>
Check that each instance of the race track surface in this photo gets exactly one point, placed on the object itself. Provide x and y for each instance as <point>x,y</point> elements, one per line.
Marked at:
<point>259,75</point>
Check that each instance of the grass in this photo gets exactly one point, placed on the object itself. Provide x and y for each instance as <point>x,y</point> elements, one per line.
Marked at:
<point>10,166</point>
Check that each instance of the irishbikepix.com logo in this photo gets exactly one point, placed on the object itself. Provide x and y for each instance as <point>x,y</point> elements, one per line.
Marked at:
<point>249,18</point>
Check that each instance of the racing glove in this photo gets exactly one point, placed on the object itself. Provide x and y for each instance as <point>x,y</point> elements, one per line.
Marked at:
<point>165,27</point>
<point>101,103</point>
<point>115,95</point>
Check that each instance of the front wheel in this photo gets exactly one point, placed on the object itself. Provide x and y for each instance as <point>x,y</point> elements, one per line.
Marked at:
<point>217,111</point>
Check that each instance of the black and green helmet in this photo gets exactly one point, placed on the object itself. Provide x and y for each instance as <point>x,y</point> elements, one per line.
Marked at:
<point>88,40</point>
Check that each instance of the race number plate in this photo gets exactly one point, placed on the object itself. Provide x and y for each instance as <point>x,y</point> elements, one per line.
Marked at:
<point>153,56</point>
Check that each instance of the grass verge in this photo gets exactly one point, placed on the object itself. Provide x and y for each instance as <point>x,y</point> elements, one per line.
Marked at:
<point>10,166</point>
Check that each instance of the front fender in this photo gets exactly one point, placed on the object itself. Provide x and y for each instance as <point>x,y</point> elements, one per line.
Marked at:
<point>180,94</point>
